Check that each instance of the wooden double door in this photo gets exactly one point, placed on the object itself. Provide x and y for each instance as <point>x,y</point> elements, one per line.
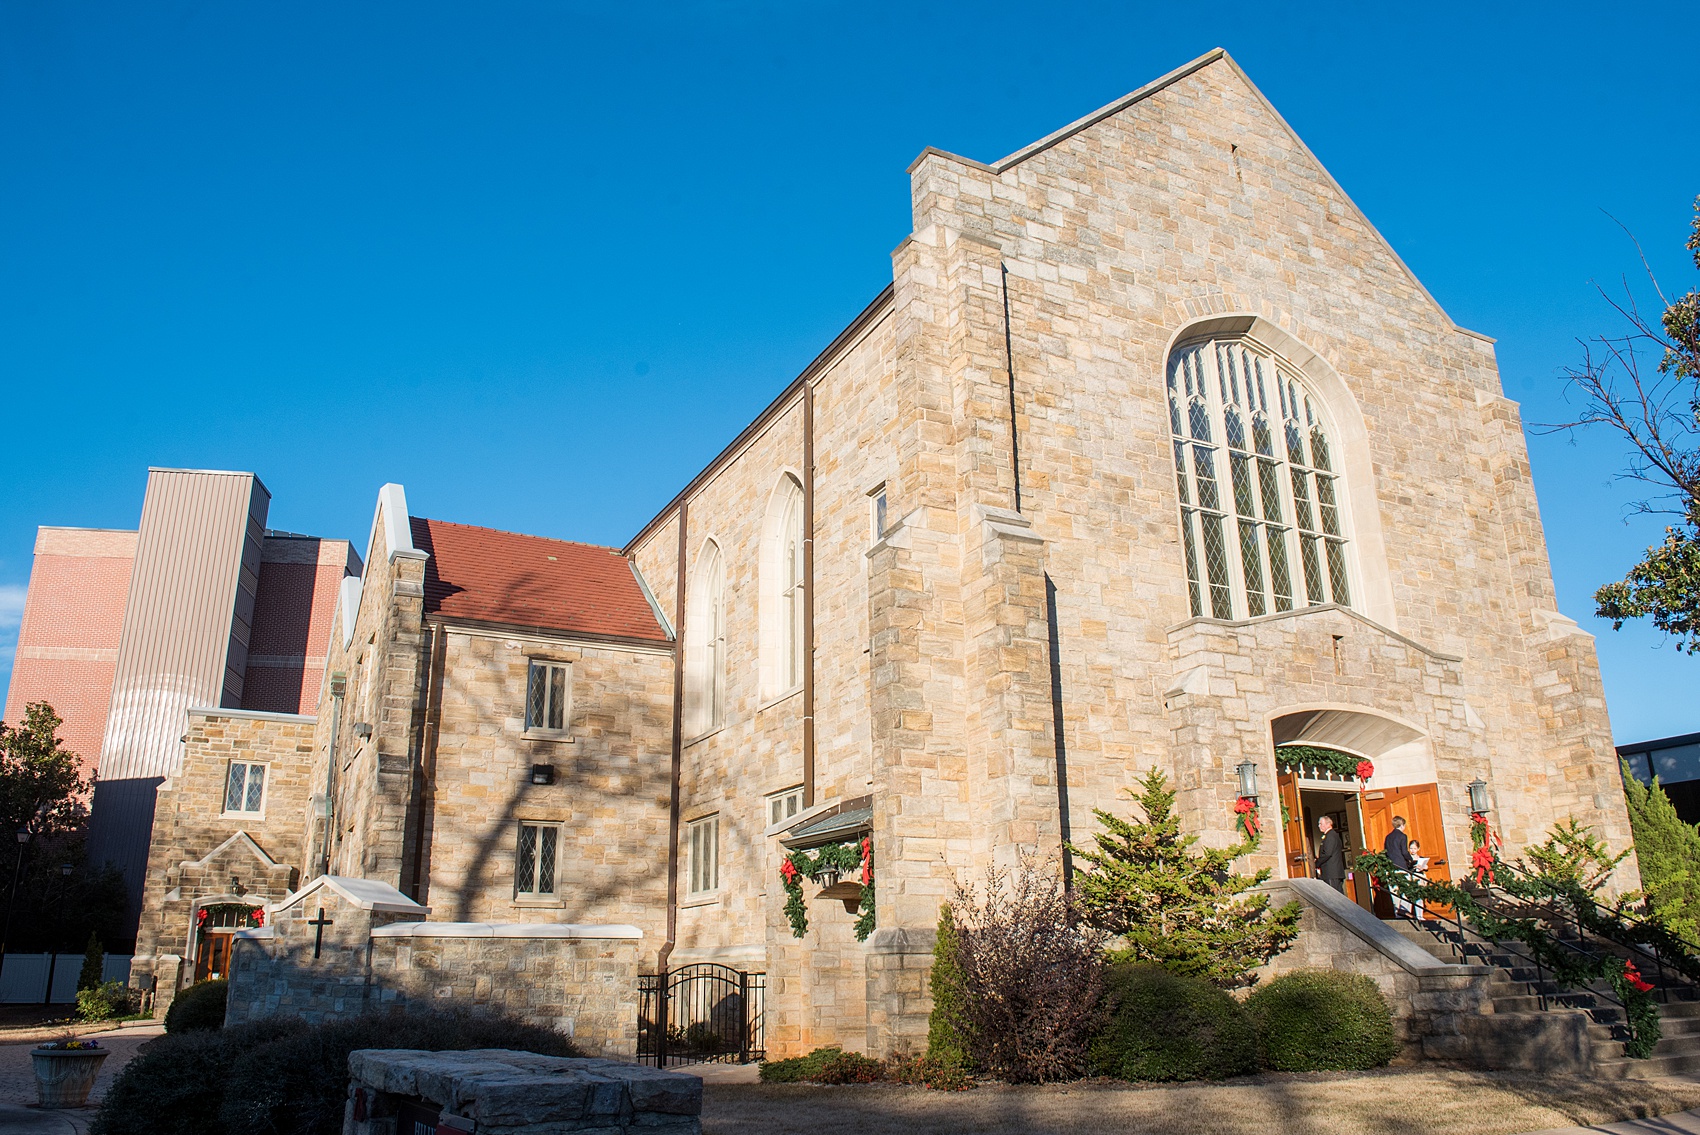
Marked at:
<point>1365,818</point>
<point>213,958</point>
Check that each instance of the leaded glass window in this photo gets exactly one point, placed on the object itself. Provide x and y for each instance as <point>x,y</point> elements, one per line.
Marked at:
<point>1257,482</point>
<point>535,861</point>
<point>548,692</point>
<point>245,787</point>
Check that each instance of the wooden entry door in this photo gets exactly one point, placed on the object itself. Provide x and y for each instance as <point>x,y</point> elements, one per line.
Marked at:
<point>1420,805</point>
<point>213,960</point>
<point>1293,844</point>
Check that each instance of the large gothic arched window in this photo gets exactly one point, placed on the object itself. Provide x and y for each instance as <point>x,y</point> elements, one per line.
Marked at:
<point>1262,520</point>
<point>783,603</point>
<point>705,643</point>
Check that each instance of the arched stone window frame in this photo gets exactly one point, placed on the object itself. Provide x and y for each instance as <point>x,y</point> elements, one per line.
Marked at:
<point>705,641</point>
<point>783,604</point>
<point>1338,409</point>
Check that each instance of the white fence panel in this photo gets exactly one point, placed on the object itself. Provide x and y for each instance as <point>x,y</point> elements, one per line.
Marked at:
<point>24,981</point>
<point>116,967</point>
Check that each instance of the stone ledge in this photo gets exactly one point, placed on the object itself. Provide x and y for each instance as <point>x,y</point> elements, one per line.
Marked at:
<point>614,931</point>
<point>1407,955</point>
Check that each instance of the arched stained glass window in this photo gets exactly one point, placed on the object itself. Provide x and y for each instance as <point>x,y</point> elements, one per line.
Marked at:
<point>1262,525</point>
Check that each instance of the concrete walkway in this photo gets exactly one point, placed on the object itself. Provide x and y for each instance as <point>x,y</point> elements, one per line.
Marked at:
<point>1678,1123</point>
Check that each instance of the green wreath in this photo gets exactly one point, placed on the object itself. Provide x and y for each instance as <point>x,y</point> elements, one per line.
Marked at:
<point>845,858</point>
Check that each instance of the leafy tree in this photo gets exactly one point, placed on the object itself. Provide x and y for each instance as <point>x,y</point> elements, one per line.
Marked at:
<point>1184,909</point>
<point>1657,410</point>
<point>1573,853</point>
<point>1669,853</point>
<point>42,787</point>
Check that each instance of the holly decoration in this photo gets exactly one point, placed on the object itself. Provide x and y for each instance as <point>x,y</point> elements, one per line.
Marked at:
<point>841,857</point>
<point>1246,809</point>
<point>1290,757</point>
<point>1486,844</point>
<point>243,915</point>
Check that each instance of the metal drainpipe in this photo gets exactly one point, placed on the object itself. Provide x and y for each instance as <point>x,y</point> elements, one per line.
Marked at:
<point>339,686</point>
<point>673,808</point>
<point>427,765</point>
<point>808,595</point>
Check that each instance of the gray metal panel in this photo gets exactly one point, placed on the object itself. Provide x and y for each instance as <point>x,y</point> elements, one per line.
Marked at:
<point>178,622</point>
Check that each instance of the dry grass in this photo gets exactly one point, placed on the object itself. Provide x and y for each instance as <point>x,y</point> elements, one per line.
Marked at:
<point>1391,1102</point>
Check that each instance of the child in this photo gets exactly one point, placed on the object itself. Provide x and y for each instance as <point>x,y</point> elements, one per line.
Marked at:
<point>1419,868</point>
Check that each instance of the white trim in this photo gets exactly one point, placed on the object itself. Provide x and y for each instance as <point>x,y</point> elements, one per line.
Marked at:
<point>348,604</point>
<point>242,837</point>
<point>599,931</point>
<point>654,606</point>
<point>523,638</point>
<point>250,714</point>
<point>398,534</point>
<point>367,894</point>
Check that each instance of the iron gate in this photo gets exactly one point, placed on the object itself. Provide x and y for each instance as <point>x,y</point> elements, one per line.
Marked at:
<point>701,1012</point>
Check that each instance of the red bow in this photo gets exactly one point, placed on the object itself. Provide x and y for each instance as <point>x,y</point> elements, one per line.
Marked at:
<point>1365,770</point>
<point>1633,977</point>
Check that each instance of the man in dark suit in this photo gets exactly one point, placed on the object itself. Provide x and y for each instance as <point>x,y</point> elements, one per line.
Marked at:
<point>1398,848</point>
<point>1331,856</point>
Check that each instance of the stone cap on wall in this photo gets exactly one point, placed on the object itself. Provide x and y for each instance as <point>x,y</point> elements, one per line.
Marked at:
<point>506,930</point>
<point>367,894</point>
<point>1325,900</point>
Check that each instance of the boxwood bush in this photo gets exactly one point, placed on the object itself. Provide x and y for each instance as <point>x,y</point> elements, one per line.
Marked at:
<point>1321,1020</point>
<point>199,1007</point>
<point>282,1075</point>
<point>1167,1026</point>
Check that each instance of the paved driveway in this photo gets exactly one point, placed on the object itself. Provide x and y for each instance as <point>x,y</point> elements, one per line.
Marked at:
<point>17,1083</point>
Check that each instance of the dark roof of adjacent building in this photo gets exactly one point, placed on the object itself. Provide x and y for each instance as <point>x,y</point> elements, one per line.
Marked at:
<point>489,576</point>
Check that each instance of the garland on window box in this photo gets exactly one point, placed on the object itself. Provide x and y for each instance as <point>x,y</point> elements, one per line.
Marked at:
<point>840,857</point>
<point>1289,757</point>
<point>1640,1011</point>
<point>248,917</point>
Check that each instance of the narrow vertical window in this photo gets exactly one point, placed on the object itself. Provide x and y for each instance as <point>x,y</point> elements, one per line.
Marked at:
<point>705,643</point>
<point>784,805</point>
<point>1254,497</point>
<point>792,602</point>
<point>535,859</point>
<point>876,513</point>
<point>548,689</point>
<point>704,842</point>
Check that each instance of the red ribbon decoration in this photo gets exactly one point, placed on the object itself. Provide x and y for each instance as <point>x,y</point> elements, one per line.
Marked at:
<point>1633,977</point>
<point>1365,770</point>
<point>1246,808</point>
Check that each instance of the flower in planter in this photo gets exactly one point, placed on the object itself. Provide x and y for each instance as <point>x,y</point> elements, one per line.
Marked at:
<point>71,1046</point>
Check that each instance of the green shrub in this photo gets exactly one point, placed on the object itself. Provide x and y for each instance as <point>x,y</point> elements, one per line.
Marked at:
<point>94,964</point>
<point>947,1042</point>
<point>298,1084</point>
<point>106,1001</point>
<point>282,1075</point>
<point>1168,1026</point>
<point>201,1006</point>
<point>852,1068</point>
<point>797,1069</point>
<point>175,1084</point>
<point>1320,1020</point>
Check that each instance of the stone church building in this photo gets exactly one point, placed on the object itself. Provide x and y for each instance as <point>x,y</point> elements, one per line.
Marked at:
<point>1153,453</point>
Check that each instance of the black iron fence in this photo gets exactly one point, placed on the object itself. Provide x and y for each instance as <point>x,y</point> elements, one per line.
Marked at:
<point>701,1012</point>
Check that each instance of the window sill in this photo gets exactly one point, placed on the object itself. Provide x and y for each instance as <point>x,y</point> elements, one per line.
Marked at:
<point>548,735</point>
<point>539,901</point>
<point>704,735</point>
<point>777,698</point>
<point>257,816</point>
<point>706,898</point>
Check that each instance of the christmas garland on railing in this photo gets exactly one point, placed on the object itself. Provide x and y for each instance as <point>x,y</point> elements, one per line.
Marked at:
<point>1329,760</point>
<point>1641,1012</point>
<point>840,857</point>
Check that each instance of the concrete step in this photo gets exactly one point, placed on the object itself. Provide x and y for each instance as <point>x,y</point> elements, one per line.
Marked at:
<point>1659,1064</point>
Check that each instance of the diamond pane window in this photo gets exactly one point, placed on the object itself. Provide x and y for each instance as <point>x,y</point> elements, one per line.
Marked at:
<point>536,859</point>
<point>1286,503</point>
<point>548,688</point>
<point>245,787</point>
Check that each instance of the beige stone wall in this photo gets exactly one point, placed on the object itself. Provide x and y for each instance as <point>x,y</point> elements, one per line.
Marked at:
<point>610,793</point>
<point>201,855</point>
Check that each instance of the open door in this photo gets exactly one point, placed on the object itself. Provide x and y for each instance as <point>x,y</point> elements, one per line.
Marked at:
<point>1293,846</point>
<point>1420,805</point>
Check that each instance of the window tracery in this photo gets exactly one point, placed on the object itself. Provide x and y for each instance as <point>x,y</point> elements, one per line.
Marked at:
<point>1263,527</point>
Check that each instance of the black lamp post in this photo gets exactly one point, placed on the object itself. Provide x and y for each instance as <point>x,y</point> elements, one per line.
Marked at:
<point>12,902</point>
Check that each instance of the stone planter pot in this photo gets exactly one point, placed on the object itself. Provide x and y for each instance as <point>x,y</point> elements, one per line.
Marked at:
<point>64,1077</point>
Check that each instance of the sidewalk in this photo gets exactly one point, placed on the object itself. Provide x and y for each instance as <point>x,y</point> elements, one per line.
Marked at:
<point>1679,1123</point>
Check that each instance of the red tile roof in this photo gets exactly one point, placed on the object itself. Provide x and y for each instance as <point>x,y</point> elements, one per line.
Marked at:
<point>530,581</point>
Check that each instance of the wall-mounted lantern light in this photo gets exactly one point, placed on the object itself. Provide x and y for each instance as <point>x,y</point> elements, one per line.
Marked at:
<point>1248,779</point>
<point>1478,795</point>
<point>543,774</point>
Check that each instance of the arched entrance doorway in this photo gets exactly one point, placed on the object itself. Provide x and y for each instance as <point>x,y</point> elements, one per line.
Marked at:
<point>1317,757</point>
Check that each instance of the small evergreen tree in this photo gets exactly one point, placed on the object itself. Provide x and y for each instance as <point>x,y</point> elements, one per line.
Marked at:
<point>945,1040</point>
<point>1572,853</point>
<point>1183,909</point>
<point>93,973</point>
<point>1669,853</point>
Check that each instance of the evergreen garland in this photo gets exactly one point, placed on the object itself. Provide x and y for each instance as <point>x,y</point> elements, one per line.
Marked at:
<point>845,858</point>
<point>1289,757</point>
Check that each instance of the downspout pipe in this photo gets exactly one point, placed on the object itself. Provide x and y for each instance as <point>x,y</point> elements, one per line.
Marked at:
<point>425,770</point>
<point>808,595</point>
<point>673,806</point>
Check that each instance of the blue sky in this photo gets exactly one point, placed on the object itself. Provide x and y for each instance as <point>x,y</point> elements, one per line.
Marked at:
<point>539,261</point>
